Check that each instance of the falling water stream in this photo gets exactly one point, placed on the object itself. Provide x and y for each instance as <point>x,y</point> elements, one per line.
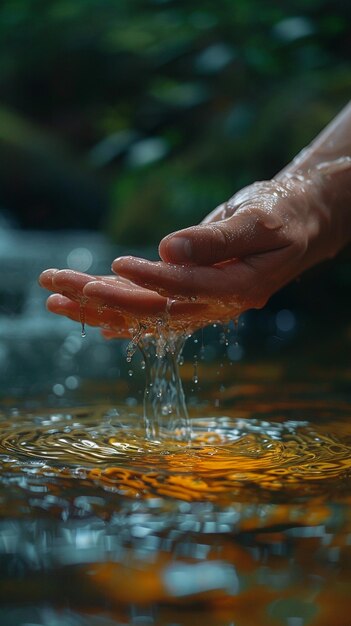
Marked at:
<point>165,410</point>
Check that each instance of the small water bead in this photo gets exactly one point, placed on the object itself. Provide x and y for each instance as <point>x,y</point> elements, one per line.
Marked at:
<point>166,409</point>
<point>130,372</point>
<point>82,317</point>
<point>225,335</point>
<point>195,375</point>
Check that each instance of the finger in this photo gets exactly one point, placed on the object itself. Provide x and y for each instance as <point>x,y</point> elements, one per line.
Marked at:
<point>128,299</point>
<point>72,283</point>
<point>241,235</point>
<point>46,277</point>
<point>145,304</point>
<point>191,282</point>
<point>109,320</point>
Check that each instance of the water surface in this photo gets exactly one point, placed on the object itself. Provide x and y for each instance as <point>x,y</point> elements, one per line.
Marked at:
<point>248,523</point>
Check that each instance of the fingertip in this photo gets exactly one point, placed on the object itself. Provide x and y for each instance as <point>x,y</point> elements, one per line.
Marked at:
<point>120,262</point>
<point>55,301</point>
<point>92,287</point>
<point>176,248</point>
<point>45,278</point>
<point>60,277</point>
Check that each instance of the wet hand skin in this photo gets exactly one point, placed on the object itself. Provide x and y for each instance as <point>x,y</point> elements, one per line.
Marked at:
<point>246,250</point>
<point>236,259</point>
<point>242,253</point>
<point>115,304</point>
<point>265,236</point>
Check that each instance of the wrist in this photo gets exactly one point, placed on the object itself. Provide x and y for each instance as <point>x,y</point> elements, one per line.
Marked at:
<point>324,189</point>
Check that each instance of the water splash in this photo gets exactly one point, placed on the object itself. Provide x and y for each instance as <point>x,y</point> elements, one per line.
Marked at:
<point>165,411</point>
<point>137,335</point>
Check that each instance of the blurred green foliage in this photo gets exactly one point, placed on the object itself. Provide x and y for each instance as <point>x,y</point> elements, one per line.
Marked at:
<point>169,105</point>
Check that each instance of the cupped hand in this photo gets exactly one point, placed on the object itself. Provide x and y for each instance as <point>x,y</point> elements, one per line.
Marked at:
<point>243,252</point>
<point>236,259</point>
<point>117,305</point>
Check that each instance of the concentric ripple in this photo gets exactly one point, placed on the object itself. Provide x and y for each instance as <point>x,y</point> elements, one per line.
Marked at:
<point>228,458</point>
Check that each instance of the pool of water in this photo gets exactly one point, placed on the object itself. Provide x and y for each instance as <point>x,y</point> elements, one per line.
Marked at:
<point>248,523</point>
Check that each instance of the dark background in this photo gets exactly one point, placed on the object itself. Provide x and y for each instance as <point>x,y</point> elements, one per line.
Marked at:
<point>140,116</point>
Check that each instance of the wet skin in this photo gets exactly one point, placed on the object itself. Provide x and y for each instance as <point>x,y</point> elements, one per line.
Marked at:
<point>185,294</point>
<point>242,253</point>
<point>115,304</point>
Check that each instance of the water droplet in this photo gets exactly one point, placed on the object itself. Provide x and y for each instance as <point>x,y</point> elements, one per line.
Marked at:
<point>195,375</point>
<point>130,372</point>
<point>224,337</point>
<point>82,318</point>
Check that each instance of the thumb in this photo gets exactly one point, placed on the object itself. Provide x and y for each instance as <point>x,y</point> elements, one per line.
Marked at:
<point>243,234</point>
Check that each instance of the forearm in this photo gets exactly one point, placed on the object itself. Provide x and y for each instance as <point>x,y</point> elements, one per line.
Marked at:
<point>333,143</point>
<point>323,170</point>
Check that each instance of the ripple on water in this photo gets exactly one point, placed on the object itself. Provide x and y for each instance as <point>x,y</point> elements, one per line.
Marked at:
<point>229,458</point>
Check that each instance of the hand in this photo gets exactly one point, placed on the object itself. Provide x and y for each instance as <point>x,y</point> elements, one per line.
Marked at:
<point>116,305</point>
<point>244,251</point>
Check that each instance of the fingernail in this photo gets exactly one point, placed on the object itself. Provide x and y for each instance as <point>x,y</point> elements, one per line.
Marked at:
<point>179,249</point>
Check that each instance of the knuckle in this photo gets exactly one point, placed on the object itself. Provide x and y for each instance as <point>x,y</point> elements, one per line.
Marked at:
<point>298,242</point>
<point>219,243</point>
